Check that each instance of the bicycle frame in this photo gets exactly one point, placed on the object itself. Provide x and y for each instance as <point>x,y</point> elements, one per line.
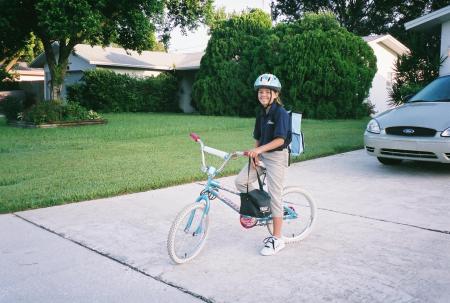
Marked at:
<point>212,187</point>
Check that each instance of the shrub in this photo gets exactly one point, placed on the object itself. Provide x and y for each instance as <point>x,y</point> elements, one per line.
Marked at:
<point>11,107</point>
<point>56,111</point>
<point>74,111</point>
<point>412,74</point>
<point>45,111</point>
<point>326,71</point>
<point>106,91</point>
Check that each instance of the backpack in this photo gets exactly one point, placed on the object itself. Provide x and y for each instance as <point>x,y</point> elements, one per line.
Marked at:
<point>295,136</point>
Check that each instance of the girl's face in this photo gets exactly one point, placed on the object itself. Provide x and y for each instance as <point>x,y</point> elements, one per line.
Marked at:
<point>266,96</point>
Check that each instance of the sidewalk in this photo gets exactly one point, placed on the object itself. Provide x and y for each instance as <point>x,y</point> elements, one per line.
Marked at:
<point>382,235</point>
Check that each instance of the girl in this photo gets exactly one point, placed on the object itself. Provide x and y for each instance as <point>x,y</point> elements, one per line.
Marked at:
<point>270,133</point>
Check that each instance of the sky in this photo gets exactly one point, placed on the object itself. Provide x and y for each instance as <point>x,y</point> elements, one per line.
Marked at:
<point>197,41</point>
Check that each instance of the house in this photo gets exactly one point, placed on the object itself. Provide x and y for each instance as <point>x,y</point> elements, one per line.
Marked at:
<point>386,49</point>
<point>29,80</point>
<point>23,73</point>
<point>440,17</point>
<point>148,63</point>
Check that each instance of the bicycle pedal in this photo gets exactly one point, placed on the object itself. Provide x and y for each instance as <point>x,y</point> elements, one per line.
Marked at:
<point>248,222</point>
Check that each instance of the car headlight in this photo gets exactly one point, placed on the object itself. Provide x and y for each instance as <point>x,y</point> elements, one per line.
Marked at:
<point>446,133</point>
<point>373,127</point>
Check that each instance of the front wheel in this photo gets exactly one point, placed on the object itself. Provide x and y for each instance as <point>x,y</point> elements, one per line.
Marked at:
<point>299,215</point>
<point>188,233</point>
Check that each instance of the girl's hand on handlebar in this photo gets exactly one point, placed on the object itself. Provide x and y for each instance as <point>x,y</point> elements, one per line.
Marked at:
<point>254,153</point>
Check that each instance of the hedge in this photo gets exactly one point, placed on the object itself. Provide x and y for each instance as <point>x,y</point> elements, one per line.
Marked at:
<point>106,91</point>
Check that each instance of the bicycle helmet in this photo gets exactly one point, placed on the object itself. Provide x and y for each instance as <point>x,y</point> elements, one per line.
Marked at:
<point>268,81</point>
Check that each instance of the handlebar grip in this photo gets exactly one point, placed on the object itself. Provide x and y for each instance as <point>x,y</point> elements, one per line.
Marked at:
<point>215,152</point>
<point>195,137</point>
<point>245,153</point>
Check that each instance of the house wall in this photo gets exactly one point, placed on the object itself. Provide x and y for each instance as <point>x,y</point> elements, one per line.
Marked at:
<point>72,77</point>
<point>78,64</point>
<point>74,73</point>
<point>445,49</point>
<point>382,82</point>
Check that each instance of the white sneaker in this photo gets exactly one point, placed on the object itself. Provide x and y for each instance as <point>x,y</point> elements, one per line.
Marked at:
<point>272,245</point>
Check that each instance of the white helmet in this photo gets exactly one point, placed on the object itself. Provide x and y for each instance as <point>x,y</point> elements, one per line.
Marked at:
<point>268,81</point>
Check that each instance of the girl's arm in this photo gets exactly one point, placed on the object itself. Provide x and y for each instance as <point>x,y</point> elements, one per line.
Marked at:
<point>277,142</point>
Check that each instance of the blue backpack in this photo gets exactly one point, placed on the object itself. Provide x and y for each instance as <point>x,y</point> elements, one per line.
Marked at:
<point>295,136</point>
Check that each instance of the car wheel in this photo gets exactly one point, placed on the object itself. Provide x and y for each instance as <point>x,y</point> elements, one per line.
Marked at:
<point>389,161</point>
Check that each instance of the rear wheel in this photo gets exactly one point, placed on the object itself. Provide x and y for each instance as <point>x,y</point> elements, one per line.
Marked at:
<point>389,161</point>
<point>188,233</point>
<point>299,215</point>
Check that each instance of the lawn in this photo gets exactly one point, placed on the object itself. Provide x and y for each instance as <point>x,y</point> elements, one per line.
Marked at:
<point>133,153</point>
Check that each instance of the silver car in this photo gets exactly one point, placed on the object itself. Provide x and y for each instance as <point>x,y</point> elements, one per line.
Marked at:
<point>416,130</point>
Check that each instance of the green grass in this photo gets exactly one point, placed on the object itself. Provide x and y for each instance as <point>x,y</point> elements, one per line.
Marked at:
<point>132,153</point>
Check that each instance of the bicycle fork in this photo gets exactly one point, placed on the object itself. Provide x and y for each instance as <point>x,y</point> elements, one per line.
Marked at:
<point>199,229</point>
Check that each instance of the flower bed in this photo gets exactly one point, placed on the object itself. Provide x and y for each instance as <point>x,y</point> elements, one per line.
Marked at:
<point>24,124</point>
<point>48,114</point>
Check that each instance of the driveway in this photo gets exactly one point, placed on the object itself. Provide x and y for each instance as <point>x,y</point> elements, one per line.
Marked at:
<point>383,235</point>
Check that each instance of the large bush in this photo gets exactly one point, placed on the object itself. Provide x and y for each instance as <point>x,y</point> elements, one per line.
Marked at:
<point>106,91</point>
<point>223,84</point>
<point>326,71</point>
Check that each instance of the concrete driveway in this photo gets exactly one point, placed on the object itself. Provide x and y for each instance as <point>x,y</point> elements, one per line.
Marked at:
<point>383,235</point>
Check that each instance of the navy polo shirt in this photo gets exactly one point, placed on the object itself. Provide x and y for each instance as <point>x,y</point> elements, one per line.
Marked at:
<point>274,124</point>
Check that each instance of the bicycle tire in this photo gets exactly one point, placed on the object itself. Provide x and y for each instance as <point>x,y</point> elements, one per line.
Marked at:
<point>178,254</point>
<point>306,210</point>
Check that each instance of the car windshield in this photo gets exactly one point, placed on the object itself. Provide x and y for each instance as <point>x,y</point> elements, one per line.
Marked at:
<point>436,91</point>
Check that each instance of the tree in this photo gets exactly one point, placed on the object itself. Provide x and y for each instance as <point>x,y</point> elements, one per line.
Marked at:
<point>362,17</point>
<point>358,16</point>
<point>130,23</point>
<point>32,48</point>
<point>384,16</point>
<point>412,72</point>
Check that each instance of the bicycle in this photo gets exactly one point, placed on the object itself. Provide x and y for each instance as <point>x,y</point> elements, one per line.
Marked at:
<point>192,223</point>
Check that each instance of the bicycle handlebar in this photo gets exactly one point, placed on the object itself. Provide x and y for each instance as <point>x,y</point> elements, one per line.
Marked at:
<point>221,154</point>
<point>216,152</point>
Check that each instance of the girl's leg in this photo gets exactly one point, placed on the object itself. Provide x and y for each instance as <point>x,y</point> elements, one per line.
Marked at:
<point>277,225</point>
<point>243,177</point>
<point>276,164</point>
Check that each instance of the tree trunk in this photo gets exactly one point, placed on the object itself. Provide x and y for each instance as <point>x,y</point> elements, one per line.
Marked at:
<point>57,64</point>
<point>56,90</point>
<point>58,73</point>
